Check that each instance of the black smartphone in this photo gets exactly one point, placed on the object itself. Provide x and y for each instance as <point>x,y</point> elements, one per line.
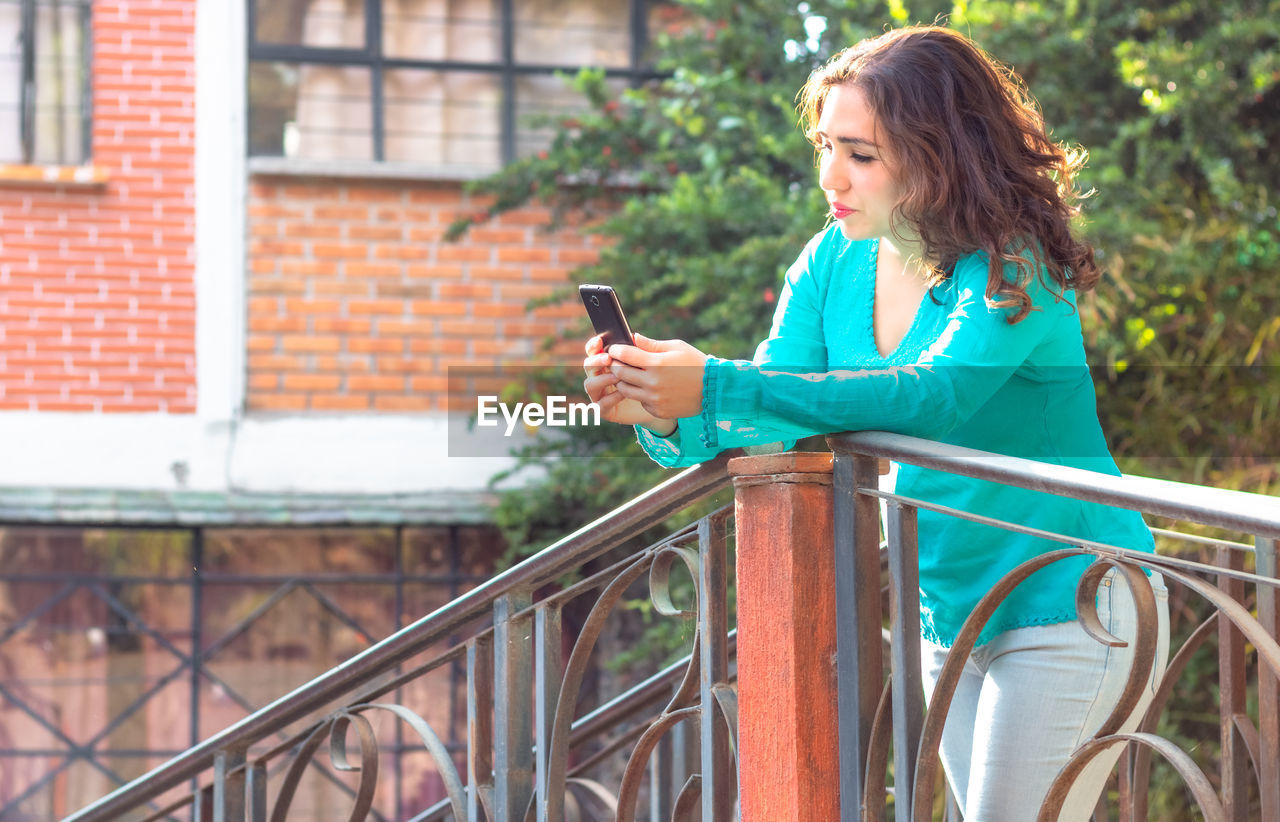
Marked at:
<point>606,314</point>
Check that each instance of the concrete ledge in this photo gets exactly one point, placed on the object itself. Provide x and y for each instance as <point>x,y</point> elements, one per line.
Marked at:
<point>125,508</point>
<point>366,170</point>
<point>19,174</point>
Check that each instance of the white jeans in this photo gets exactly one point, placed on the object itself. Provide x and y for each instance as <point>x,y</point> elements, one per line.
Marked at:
<point>1029,698</point>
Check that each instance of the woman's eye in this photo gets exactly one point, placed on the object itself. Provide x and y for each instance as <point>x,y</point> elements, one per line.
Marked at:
<point>861,158</point>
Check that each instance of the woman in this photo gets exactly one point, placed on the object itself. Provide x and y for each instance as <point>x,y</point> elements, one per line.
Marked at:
<point>940,304</point>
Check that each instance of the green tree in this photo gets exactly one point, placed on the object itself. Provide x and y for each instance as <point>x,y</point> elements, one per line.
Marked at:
<point>1180,110</point>
<point>705,189</point>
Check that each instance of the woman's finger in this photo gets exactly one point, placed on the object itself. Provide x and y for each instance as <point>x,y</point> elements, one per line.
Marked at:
<point>614,407</point>
<point>632,355</point>
<point>597,361</point>
<point>633,392</point>
<point>595,345</point>
<point>651,402</point>
<point>609,404</point>
<point>597,386</point>
<point>635,376</point>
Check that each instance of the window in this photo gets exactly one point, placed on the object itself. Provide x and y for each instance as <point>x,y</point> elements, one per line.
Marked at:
<point>114,655</point>
<point>44,81</point>
<point>432,83</point>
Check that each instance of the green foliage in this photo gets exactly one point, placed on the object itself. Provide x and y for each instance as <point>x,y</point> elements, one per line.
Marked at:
<point>705,189</point>
<point>1178,106</point>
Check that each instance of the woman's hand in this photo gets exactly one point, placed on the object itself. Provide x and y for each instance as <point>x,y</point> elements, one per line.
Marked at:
<point>601,388</point>
<point>663,376</point>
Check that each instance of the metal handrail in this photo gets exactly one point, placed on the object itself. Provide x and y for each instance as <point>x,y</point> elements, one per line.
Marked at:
<point>1244,612</point>
<point>587,543</point>
<point>627,705</point>
<point>1239,511</point>
<point>1235,510</point>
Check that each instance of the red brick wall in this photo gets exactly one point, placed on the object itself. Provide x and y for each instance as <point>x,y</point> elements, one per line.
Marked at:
<point>356,302</point>
<point>97,299</point>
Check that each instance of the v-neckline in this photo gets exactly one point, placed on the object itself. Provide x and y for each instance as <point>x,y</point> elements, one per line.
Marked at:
<point>915,318</point>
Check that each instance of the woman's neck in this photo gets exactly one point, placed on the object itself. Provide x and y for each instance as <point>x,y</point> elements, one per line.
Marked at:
<point>907,256</point>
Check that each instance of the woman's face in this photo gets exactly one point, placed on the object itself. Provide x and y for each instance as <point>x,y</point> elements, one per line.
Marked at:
<point>854,168</point>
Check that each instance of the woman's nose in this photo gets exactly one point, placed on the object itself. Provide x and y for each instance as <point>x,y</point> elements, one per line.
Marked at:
<point>831,177</point>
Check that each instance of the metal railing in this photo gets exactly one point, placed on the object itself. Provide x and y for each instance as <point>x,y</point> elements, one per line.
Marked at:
<point>521,695</point>
<point>522,690</point>
<point>876,710</point>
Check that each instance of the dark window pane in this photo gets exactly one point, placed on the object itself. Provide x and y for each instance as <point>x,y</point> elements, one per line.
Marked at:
<point>10,83</point>
<point>320,23</point>
<point>99,551</point>
<point>273,100</point>
<point>300,551</point>
<point>60,95</point>
<point>573,32</point>
<point>430,118</point>
<point>463,30</point>
<point>468,552</point>
<point>279,606</point>
<point>436,118</point>
<point>310,111</point>
<point>91,649</point>
<point>480,547</point>
<point>428,551</point>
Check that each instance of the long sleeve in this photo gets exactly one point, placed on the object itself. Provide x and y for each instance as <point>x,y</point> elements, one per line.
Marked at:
<point>795,338</point>
<point>976,353</point>
<point>962,373</point>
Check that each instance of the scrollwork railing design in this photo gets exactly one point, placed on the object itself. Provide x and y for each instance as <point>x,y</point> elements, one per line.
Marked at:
<point>667,749</point>
<point>1246,782</point>
<point>529,757</point>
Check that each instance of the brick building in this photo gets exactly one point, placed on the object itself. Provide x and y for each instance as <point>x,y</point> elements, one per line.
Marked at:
<point>234,247</point>
<point>224,288</point>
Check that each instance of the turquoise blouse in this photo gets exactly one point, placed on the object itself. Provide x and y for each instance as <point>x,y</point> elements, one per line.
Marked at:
<point>962,374</point>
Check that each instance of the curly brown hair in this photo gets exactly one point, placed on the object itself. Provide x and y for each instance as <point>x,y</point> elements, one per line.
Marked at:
<point>970,149</point>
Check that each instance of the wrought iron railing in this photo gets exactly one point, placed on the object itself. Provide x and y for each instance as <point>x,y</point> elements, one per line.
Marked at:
<point>526,756</point>
<point>1242,615</point>
<point>529,758</point>
<point>133,625</point>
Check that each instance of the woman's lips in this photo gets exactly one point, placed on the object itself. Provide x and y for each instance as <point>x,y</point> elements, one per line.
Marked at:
<point>840,211</point>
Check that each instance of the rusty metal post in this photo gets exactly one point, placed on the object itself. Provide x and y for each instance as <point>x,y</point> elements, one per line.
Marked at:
<point>479,728</point>
<point>904,628</point>
<point>718,777</point>
<point>512,706</point>
<point>788,746</point>
<point>1231,701</point>
<point>1268,686</point>
<point>856,537</point>
<point>228,786</point>
<point>548,671</point>
<point>255,792</point>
